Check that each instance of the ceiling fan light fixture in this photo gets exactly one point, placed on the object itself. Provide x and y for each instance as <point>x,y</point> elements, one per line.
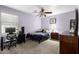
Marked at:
<point>42,12</point>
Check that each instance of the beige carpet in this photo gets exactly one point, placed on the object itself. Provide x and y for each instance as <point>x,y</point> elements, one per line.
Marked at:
<point>31,47</point>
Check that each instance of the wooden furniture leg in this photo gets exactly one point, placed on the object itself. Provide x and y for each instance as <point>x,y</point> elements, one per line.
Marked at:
<point>1,43</point>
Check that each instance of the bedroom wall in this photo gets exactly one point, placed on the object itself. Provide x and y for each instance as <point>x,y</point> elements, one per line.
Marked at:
<point>62,21</point>
<point>45,23</point>
<point>30,22</point>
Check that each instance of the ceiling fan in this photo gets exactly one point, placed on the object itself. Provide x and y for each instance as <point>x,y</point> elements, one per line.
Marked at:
<point>42,12</point>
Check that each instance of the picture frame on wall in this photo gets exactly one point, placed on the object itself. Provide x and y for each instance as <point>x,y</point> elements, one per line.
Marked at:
<point>52,20</point>
<point>72,24</point>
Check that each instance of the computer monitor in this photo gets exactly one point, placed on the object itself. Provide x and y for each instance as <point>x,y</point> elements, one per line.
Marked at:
<point>10,30</point>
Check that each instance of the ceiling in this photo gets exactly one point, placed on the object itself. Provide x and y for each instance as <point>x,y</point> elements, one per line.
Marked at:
<point>56,9</point>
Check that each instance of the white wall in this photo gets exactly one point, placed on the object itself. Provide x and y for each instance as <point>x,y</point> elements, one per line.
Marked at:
<point>45,23</point>
<point>30,22</point>
<point>62,21</point>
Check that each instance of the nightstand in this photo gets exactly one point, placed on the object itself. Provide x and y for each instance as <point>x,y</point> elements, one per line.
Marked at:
<point>54,35</point>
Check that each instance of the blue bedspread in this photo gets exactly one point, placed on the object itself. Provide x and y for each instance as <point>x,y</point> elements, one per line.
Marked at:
<point>38,36</point>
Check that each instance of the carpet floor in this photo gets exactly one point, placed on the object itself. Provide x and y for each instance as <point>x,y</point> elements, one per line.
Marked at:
<point>31,47</point>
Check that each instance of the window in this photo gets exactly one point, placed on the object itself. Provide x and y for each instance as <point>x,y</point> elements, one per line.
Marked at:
<point>8,20</point>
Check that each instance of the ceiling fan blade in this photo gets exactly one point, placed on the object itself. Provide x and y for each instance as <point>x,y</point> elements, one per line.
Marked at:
<point>48,12</point>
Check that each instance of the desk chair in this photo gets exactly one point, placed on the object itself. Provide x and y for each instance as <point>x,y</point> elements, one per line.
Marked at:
<point>12,38</point>
<point>4,43</point>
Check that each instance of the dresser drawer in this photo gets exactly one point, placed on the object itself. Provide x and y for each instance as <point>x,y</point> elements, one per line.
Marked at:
<point>68,44</point>
<point>54,36</point>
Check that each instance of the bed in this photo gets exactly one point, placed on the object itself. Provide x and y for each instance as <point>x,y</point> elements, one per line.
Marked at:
<point>38,36</point>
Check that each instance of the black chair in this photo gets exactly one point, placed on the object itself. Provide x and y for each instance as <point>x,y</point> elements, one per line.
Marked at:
<point>4,43</point>
<point>21,38</point>
<point>13,40</point>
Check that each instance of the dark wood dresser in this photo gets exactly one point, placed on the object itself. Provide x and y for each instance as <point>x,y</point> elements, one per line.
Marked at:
<point>68,44</point>
<point>54,35</point>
